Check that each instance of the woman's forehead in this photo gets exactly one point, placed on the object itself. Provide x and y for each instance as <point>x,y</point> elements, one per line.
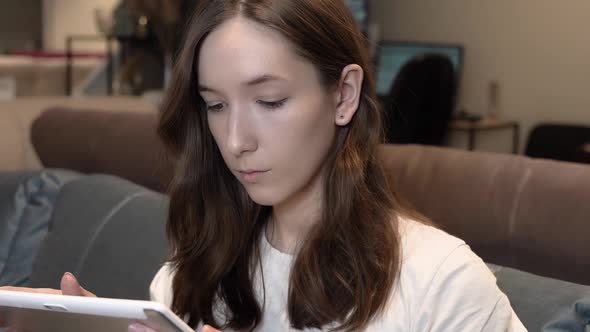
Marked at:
<point>243,50</point>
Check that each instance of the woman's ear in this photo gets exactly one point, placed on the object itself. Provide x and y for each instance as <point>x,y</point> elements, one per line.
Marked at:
<point>348,94</point>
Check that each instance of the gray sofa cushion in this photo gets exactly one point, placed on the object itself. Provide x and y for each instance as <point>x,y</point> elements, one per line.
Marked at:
<point>546,304</point>
<point>107,231</point>
<point>25,209</point>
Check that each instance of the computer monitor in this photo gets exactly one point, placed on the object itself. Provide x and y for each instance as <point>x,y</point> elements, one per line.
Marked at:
<point>393,55</point>
<point>360,11</point>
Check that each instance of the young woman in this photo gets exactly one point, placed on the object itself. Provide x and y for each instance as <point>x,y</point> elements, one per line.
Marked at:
<point>280,217</point>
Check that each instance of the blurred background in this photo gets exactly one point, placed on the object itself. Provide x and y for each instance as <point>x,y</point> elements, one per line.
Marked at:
<point>500,76</point>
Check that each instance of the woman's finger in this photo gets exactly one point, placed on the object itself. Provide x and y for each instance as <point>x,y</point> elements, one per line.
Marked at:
<point>70,286</point>
<point>138,327</point>
<point>31,290</point>
<point>208,328</point>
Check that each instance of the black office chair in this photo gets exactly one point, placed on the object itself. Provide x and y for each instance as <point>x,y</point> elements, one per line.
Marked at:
<point>421,101</point>
<point>557,141</point>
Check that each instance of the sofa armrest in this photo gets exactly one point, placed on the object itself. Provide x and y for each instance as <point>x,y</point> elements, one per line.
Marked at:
<point>546,304</point>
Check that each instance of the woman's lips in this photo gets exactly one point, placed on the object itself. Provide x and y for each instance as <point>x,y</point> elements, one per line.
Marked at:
<point>252,176</point>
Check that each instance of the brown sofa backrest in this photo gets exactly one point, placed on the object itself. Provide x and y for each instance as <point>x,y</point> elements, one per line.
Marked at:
<point>17,115</point>
<point>118,143</point>
<point>529,214</point>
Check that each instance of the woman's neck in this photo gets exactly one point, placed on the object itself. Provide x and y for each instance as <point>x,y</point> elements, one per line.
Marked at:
<point>292,220</point>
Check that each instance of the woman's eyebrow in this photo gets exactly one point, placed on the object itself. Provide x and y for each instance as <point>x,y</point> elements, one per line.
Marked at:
<point>255,81</point>
<point>204,88</point>
<point>263,79</point>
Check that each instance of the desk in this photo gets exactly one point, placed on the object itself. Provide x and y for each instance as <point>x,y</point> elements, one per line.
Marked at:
<point>471,127</point>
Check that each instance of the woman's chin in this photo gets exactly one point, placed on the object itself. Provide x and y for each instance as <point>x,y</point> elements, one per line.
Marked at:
<point>263,197</point>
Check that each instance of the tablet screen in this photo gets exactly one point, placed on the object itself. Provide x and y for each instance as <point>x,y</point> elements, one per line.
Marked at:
<point>35,320</point>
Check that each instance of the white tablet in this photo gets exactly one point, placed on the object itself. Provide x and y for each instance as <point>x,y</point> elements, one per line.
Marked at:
<point>33,312</point>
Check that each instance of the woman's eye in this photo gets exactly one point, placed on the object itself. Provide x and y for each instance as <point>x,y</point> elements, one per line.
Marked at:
<point>272,104</point>
<point>215,108</point>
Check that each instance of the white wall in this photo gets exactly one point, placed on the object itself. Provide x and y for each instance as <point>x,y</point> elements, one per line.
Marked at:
<point>537,50</point>
<point>65,17</point>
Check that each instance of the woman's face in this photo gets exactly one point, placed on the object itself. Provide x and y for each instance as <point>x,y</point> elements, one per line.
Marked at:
<point>272,120</point>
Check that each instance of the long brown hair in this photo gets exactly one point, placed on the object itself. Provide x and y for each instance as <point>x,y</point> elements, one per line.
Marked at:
<point>345,271</point>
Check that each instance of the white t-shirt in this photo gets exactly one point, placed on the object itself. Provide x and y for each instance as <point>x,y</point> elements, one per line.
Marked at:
<point>443,286</point>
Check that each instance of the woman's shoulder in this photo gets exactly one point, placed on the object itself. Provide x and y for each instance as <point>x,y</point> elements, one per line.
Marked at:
<point>161,286</point>
<point>442,281</point>
<point>421,241</point>
<point>427,251</point>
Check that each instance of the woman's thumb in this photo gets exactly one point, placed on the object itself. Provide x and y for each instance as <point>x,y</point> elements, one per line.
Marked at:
<point>208,328</point>
<point>69,285</point>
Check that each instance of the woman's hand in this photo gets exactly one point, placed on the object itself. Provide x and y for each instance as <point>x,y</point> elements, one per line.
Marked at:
<point>68,286</point>
<point>208,328</point>
<point>137,327</point>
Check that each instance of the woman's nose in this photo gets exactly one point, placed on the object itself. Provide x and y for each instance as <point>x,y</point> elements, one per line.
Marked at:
<point>241,134</point>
